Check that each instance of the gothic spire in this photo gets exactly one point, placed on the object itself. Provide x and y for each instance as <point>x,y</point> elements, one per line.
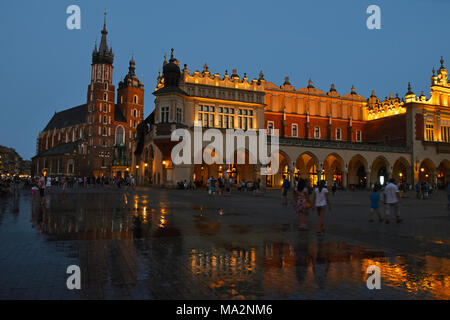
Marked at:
<point>104,54</point>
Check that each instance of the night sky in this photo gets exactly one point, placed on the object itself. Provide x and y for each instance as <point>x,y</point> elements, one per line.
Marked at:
<point>46,68</point>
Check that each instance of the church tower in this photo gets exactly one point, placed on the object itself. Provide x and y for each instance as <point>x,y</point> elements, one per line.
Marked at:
<point>100,106</point>
<point>130,101</point>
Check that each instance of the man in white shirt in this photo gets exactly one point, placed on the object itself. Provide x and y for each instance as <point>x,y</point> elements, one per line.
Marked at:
<point>391,196</point>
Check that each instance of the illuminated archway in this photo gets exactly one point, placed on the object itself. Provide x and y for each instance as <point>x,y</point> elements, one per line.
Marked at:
<point>357,172</point>
<point>236,171</point>
<point>284,169</point>
<point>379,173</point>
<point>333,167</point>
<point>306,168</point>
<point>427,171</point>
<point>401,171</point>
<point>443,173</point>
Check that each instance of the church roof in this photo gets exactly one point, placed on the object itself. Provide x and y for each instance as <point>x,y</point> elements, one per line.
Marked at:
<point>67,118</point>
<point>118,116</point>
<point>60,149</point>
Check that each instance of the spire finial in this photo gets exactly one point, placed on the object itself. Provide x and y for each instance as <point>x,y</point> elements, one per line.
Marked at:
<point>409,89</point>
<point>261,75</point>
<point>104,21</point>
<point>442,62</point>
<point>171,53</point>
<point>434,71</point>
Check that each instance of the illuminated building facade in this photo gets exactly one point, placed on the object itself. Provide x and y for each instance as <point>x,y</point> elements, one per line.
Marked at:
<point>347,138</point>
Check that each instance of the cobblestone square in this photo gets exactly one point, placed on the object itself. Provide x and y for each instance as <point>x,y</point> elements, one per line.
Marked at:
<point>176,244</point>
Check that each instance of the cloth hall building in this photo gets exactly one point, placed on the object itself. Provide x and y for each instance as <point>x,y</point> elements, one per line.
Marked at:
<point>346,138</point>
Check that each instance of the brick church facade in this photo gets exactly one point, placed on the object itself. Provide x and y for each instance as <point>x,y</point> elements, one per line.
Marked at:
<point>95,138</point>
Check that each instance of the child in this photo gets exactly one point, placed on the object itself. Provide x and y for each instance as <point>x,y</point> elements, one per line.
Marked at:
<point>375,204</point>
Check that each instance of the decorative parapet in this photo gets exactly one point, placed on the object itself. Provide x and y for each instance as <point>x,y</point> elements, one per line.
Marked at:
<point>317,143</point>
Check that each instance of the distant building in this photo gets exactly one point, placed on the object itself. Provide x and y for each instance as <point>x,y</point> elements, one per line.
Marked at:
<point>94,139</point>
<point>12,163</point>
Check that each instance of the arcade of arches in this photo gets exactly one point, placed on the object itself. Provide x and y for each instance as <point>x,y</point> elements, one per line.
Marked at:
<point>358,172</point>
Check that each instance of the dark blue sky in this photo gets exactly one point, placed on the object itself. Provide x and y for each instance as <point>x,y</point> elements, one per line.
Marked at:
<point>46,67</point>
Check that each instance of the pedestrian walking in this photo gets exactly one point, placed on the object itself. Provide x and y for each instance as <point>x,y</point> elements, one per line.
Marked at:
<point>301,204</point>
<point>320,202</point>
<point>41,186</point>
<point>391,201</point>
<point>375,204</point>
<point>285,188</point>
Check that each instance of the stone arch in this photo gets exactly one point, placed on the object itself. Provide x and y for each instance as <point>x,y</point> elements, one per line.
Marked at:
<point>443,173</point>
<point>284,168</point>
<point>237,171</point>
<point>427,170</point>
<point>401,171</point>
<point>306,167</point>
<point>379,171</point>
<point>357,171</point>
<point>333,169</point>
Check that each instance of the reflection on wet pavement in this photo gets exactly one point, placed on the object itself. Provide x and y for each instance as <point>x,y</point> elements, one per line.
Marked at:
<point>164,245</point>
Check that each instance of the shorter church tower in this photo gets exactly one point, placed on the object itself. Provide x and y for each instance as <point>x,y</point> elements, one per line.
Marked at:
<point>130,101</point>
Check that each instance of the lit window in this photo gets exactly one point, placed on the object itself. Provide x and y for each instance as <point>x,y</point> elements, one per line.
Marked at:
<point>270,127</point>
<point>445,133</point>
<point>429,132</point>
<point>179,114</point>
<point>164,114</point>
<point>317,132</point>
<point>294,130</point>
<point>245,118</point>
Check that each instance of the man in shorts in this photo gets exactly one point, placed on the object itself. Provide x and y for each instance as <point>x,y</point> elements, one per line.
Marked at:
<point>391,200</point>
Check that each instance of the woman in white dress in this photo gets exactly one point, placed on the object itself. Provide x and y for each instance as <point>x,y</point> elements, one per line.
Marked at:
<point>320,202</point>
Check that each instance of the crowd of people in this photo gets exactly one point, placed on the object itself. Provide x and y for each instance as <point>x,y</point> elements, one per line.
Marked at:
<point>306,198</point>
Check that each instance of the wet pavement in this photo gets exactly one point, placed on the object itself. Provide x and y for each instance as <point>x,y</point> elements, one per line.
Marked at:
<point>171,244</point>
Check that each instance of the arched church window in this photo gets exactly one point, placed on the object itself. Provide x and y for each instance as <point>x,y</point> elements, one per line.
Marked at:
<point>120,135</point>
<point>135,99</point>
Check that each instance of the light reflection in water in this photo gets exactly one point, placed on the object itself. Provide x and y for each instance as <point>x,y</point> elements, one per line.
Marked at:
<point>432,276</point>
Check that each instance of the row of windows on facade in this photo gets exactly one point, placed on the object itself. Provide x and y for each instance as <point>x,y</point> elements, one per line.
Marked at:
<point>135,113</point>
<point>445,132</point>
<point>165,113</point>
<point>317,133</point>
<point>107,120</point>
<point>67,138</point>
<point>229,95</point>
<point>56,166</point>
<point>225,116</point>
<point>105,96</point>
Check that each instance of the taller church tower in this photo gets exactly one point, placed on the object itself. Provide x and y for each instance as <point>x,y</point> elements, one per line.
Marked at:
<point>100,106</point>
